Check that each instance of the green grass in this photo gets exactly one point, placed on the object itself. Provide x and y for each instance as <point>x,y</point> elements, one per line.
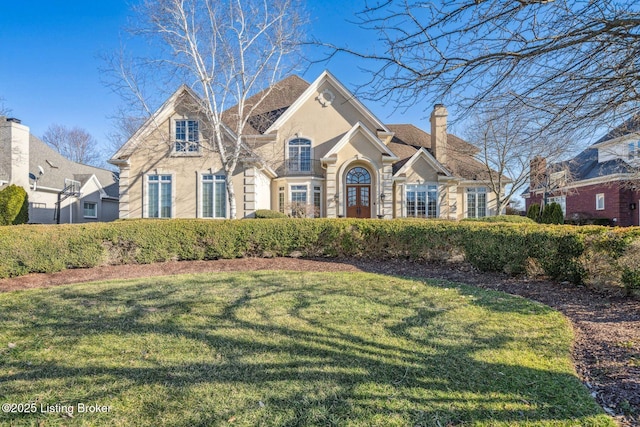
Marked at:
<point>288,349</point>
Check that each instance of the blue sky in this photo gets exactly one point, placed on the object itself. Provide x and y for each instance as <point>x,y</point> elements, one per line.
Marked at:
<point>50,60</point>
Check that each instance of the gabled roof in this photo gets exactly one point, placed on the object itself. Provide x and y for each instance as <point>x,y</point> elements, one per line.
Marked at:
<point>162,114</point>
<point>375,141</point>
<point>56,168</point>
<point>422,153</point>
<point>460,156</point>
<point>326,76</point>
<point>631,125</point>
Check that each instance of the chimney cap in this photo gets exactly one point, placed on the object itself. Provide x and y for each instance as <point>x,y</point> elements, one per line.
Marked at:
<point>14,120</point>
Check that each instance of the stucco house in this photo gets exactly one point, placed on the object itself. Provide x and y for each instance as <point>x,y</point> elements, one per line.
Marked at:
<point>599,183</point>
<point>59,190</point>
<point>312,149</point>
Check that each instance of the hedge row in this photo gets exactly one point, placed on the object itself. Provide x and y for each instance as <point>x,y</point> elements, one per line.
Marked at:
<point>593,255</point>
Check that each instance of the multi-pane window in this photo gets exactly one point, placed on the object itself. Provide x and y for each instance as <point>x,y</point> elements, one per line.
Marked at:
<point>600,201</point>
<point>561,200</point>
<point>299,155</point>
<point>316,202</point>
<point>187,136</point>
<point>298,200</point>
<point>422,201</point>
<point>214,200</point>
<point>476,202</point>
<point>90,210</point>
<point>159,196</point>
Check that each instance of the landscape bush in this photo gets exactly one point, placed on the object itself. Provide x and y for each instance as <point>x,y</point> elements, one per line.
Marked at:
<point>503,218</point>
<point>268,214</point>
<point>589,255</point>
<point>14,206</point>
<point>533,212</point>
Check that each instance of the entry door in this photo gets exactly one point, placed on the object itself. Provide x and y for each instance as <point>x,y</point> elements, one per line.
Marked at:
<point>358,201</point>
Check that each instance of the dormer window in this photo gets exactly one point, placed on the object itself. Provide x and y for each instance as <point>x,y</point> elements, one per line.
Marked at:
<point>187,136</point>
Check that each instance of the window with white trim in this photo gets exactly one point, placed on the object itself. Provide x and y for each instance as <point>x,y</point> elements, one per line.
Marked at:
<point>159,196</point>
<point>90,209</point>
<point>299,200</point>
<point>316,202</point>
<point>562,201</point>
<point>214,196</point>
<point>421,201</point>
<point>476,202</point>
<point>187,136</point>
<point>299,155</point>
<point>600,202</point>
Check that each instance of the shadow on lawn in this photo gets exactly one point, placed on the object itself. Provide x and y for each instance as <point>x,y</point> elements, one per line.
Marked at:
<point>313,354</point>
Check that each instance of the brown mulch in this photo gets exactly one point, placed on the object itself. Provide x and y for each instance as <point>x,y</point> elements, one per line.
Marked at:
<point>607,328</point>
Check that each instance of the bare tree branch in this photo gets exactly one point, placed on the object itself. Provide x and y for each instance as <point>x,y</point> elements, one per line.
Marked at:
<point>75,144</point>
<point>227,51</point>
<point>574,63</point>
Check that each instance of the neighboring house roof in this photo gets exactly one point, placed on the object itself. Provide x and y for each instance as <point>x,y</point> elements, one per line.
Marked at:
<point>629,126</point>
<point>56,168</point>
<point>460,162</point>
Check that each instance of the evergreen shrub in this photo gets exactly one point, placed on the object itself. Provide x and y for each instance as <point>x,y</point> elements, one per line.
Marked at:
<point>14,206</point>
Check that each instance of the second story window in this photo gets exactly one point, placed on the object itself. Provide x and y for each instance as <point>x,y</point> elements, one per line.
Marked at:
<point>299,155</point>
<point>186,136</point>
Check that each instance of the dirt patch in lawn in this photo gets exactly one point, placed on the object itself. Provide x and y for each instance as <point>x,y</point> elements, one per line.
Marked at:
<point>607,328</point>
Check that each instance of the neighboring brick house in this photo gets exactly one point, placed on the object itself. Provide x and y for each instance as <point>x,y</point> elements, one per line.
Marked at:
<point>312,150</point>
<point>59,190</point>
<point>599,183</point>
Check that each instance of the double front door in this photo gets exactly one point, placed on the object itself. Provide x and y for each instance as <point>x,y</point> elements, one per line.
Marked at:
<point>358,201</point>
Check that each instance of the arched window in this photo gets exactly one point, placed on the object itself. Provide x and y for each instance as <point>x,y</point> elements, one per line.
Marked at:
<point>299,155</point>
<point>358,175</point>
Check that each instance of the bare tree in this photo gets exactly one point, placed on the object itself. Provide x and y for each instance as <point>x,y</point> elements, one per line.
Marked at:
<point>508,141</point>
<point>574,62</point>
<point>227,52</point>
<point>4,110</point>
<point>75,144</point>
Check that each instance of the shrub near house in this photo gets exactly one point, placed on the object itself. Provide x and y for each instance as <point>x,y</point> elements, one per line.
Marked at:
<point>14,206</point>
<point>563,253</point>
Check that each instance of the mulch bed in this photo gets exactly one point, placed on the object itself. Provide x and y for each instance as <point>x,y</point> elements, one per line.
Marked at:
<point>607,328</point>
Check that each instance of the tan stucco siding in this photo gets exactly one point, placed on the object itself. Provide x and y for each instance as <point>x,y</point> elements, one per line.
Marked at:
<point>323,125</point>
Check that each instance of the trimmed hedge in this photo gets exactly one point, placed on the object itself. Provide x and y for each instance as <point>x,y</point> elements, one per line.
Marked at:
<point>560,252</point>
<point>517,219</point>
<point>267,213</point>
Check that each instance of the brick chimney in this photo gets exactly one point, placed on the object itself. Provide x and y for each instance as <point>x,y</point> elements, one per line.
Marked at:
<point>14,147</point>
<point>537,171</point>
<point>439,133</point>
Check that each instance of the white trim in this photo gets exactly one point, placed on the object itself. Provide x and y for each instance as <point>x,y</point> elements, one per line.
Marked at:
<point>369,135</point>
<point>200,195</point>
<point>83,209</point>
<point>426,186</point>
<point>145,193</point>
<point>160,116</point>
<point>422,152</point>
<point>616,140</point>
<point>311,150</point>
<point>605,179</point>
<point>326,76</point>
<point>600,196</point>
<point>341,184</point>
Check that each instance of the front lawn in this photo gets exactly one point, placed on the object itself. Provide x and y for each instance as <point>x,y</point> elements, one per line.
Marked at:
<point>287,349</point>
